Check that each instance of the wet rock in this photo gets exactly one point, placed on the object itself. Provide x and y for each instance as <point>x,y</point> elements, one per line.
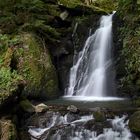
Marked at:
<point>40,120</point>
<point>7,130</point>
<point>41,108</point>
<point>72,108</point>
<point>72,117</point>
<point>27,106</point>
<point>99,116</point>
<point>134,123</point>
<point>89,124</point>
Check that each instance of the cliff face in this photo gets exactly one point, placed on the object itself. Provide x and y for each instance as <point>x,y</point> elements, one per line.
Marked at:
<point>127,45</point>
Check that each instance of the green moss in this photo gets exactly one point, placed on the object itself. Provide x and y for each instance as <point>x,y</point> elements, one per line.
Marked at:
<point>131,47</point>
<point>92,8</point>
<point>53,10</point>
<point>106,5</point>
<point>34,64</point>
<point>99,116</point>
<point>8,82</point>
<point>27,106</point>
<point>134,122</point>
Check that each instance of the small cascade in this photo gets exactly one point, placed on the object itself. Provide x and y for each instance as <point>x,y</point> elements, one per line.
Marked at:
<point>77,129</point>
<point>92,73</point>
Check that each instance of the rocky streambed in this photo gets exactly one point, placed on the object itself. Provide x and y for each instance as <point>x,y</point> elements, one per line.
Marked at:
<point>69,122</point>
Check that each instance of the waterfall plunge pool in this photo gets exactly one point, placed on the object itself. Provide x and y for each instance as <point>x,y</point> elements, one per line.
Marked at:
<point>91,102</point>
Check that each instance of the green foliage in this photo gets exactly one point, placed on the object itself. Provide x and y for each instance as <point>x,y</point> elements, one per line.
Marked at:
<point>8,41</point>
<point>107,5</point>
<point>71,3</point>
<point>130,52</point>
<point>8,79</point>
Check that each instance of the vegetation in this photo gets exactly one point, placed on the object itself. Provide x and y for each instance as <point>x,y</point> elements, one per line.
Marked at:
<point>130,32</point>
<point>30,29</point>
<point>9,78</point>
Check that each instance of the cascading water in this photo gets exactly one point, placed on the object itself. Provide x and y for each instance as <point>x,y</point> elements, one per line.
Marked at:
<point>92,74</point>
<point>77,130</point>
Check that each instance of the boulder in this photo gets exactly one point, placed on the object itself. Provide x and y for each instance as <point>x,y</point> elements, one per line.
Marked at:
<point>7,130</point>
<point>72,109</point>
<point>134,123</point>
<point>72,117</point>
<point>99,116</point>
<point>40,108</point>
<point>35,65</point>
<point>27,106</point>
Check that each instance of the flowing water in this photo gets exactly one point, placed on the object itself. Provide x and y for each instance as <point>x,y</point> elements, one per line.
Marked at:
<point>92,73</point>
<point>91,79</point>
<point>78,130</point>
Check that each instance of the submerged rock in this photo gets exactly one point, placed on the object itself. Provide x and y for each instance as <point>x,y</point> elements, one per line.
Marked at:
<point>134,123</point>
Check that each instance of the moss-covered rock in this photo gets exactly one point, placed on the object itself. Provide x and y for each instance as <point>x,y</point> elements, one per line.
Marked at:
<point>99,116</point>
<point>129,48</point>
<point>27,106</point>
<point>34,64</point>
<point>7,130</point>
<point>134,122</point>
<point>25,59</point>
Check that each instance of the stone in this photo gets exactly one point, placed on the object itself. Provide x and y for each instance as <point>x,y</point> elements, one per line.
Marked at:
<point>36,66</point>
<point>134,122</point>
<point>7,130</point>
<point>27,106</point>
<point>64,15</point>
<point>41,108</point>
<point>99,116</point>
<point>72,117</point>
<point>72,108</point>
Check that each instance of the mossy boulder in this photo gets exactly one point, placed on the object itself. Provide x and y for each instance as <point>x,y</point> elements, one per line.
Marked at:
<point>134,122</point>
<point>99,116</point>
<point>7,130</point>
<point>35,65</point>
<point>27,106</point>
<point>25,60</point>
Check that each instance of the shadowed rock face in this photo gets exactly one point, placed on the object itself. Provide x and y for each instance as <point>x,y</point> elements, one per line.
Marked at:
<point>134,123</point>
<point>72,42</point>
<point>126,41</point>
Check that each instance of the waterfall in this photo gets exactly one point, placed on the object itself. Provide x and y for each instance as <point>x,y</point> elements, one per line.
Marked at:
<point>92,73</point>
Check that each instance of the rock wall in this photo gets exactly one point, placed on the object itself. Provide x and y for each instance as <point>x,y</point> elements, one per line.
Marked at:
<point>126,41</point>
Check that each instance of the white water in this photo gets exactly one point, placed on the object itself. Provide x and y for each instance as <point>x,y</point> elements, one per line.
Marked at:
<point>92,73</point>
<point>77,131</point>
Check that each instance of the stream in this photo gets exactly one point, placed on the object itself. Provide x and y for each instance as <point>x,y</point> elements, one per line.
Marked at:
<point>83,127</point>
